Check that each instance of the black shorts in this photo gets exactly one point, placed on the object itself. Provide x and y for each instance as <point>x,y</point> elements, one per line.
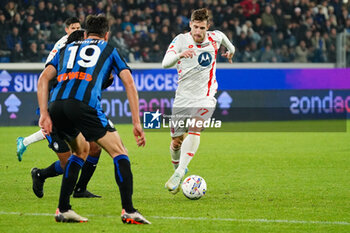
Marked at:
<point>70,117</point>
<point>57,144</point>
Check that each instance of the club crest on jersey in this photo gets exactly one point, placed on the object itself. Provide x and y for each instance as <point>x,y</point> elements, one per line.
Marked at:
<point>204,59</point>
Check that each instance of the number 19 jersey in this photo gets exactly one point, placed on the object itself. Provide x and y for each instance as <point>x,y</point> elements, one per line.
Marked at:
<point>82,68</point>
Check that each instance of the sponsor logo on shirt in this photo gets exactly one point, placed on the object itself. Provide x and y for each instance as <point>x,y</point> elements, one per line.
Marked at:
<point>204,59</point>
<point>74,75</point>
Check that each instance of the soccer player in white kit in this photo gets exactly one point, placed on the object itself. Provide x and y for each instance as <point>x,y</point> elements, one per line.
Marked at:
<point>194,54</point>
<point>71,24</point>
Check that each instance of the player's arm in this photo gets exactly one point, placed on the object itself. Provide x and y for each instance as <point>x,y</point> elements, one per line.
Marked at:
<point>109,82</point>
<point>133,98</point>
<point>230,47</point>
<point>43,94</point>
<point>173,54</point>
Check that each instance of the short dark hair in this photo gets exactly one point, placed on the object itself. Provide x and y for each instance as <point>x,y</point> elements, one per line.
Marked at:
<point>97,24</point>
<point>71,20</point>
<point>75,36</point>
<point>200,15</point>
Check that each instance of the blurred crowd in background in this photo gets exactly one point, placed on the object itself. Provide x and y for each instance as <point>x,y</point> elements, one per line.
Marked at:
<point>141,30</point>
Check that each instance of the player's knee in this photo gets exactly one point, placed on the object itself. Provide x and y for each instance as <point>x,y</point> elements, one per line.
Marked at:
<point>63,163</point>
<point>83,150</point>
<point>95,150</point>
<point>176,143</point>
<point>194,128</point>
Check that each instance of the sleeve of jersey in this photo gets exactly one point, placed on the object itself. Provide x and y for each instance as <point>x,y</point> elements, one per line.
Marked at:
<point>119,63</point>
<point>52,53</point>
<point>173,53</point>
<point>226,42</point>
<point>54,61</point>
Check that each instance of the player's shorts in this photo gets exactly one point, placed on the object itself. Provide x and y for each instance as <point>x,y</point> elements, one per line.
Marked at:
<point>56,143</point>
<point>70,117</point>
<point>185,109</point>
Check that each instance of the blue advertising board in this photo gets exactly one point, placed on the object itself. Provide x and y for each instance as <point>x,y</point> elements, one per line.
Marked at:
<point>228,79</point>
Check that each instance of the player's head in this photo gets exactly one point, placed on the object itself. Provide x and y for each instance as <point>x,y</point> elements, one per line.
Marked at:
<point>72,24</point>
<point>97,26</point>
<point>199,24</point>
<point>75,36</point>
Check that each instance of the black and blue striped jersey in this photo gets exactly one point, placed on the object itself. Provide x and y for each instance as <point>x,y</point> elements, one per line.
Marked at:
<point>83,67</point>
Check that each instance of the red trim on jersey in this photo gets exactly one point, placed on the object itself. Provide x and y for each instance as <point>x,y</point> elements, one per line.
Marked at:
<point>175,162</point>
<point>212,68</point>
<point>197,134</point>
<point>190,154</point>
<point>171,51</point>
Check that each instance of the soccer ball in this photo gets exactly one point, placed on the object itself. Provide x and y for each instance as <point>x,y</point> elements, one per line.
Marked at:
<point>194,187</point>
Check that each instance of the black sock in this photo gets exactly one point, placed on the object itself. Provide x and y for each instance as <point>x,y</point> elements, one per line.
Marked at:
<point>51,171</point>
<point>123,176</point>
<point>70,177</point>
<point>87,171</point>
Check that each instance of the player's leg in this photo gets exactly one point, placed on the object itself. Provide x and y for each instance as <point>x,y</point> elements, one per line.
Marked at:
<point>175,150</point>
<point>188,149</point>
<point>87,171</point>
<point>80,149</point>
<point>55,169</point>
<point>179,115</point>
<point>64,115</point>
<point>191,142</point>
<point>112,143</point>
<point>23,143</point>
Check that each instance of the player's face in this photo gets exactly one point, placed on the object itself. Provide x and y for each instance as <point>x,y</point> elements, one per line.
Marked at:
<point>198,30</point>
<point>73,27</point>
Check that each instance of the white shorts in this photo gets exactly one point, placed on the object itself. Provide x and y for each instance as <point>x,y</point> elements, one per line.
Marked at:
<point>185,109</point>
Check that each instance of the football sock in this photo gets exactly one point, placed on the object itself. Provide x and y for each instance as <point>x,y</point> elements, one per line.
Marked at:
<point>124,179</point>
<point>87,171</point>
<point>35,137</point>
<point>69,179</point>
<point>53,170</point>
<point>175,156</point>
<point>188,149</point>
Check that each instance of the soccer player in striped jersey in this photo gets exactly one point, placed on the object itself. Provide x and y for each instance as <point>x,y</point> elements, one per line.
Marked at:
<point>194,54</point>
<point>58,145</point>
<point>75,111</point>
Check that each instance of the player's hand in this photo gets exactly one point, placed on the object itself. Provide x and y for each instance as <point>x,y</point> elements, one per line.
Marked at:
<point>228,55</point>
<point>45,123</point>
<point>139,135</point>
<point>188,53</point>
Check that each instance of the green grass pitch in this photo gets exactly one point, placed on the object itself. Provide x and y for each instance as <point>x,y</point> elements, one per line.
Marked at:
<point>257,182</point>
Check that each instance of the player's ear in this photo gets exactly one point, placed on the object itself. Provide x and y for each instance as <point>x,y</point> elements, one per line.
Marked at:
<point>85,35</point>
<point>66,29</point>
<point>106,36</point>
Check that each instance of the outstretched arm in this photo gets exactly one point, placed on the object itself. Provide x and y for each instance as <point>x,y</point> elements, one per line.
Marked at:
<point>133,98</point>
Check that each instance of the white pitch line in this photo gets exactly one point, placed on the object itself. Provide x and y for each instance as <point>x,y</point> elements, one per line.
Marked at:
<point>200,218</point>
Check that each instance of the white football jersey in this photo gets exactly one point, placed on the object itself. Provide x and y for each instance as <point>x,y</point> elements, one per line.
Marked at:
<point>59,44</point>
<point>197,75</point>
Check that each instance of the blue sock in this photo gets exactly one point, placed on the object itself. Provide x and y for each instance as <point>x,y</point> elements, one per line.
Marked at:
<point>58,167</point>
<point>87,171</point>
<point>124,179</point>
<point>70,177</point>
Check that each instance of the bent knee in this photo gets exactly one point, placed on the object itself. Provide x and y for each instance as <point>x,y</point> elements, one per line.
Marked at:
<point>176,142</point>
<point>95,150</point>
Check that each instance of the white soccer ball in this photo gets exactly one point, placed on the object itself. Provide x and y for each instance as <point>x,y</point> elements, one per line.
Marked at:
<point>194,187</point>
